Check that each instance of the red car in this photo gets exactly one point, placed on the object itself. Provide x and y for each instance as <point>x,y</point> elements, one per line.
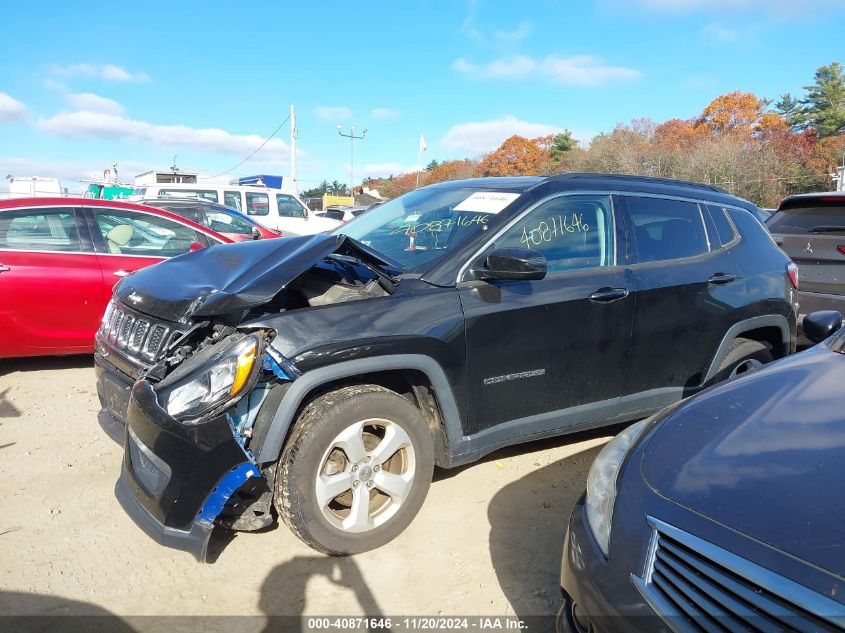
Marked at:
<point>60,258</point>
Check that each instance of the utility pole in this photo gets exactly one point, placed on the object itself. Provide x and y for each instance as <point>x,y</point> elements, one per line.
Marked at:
<point>293,134</point>
<point>351,136</point>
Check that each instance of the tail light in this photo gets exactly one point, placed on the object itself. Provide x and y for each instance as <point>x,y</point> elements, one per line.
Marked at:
<point>841,249</point>
<point>792,271</point>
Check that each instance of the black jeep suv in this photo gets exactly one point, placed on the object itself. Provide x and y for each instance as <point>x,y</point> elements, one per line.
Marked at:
<point>327,375</point>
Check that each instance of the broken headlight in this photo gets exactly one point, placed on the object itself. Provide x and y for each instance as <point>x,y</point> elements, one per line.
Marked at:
<point>212,383</point>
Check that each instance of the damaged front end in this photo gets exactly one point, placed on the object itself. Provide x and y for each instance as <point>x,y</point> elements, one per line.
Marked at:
<point>186,458</point>
<point>193,409</point>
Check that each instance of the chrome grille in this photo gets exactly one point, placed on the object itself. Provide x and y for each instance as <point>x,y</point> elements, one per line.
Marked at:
<point>142,337</point>
<point>696,586</point>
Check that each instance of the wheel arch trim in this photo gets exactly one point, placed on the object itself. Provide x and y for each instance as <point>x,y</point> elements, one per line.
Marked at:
<point>300,388</point>
<point>754,323</point>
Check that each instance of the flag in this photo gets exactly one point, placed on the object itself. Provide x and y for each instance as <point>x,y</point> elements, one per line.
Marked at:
<point>423,146</point>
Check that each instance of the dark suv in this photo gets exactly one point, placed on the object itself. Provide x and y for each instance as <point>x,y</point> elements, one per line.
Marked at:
<point>810,228</point>
<point>327,375</point>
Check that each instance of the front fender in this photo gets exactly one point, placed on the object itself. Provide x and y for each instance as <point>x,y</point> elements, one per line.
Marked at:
<point>296,392</point>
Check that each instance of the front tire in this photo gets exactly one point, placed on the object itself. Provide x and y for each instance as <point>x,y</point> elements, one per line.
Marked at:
<point>355,470</point>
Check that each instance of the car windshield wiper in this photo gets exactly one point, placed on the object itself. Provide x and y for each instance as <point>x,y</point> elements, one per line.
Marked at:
<point>388,281</point>
<point>828,229</point>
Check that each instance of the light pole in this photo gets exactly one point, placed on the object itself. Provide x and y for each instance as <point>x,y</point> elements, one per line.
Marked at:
<point>351,136</point>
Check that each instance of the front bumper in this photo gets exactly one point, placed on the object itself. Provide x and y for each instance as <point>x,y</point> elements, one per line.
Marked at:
<point>600,589</point>
<point>175,478</point>
<point>193,541</point>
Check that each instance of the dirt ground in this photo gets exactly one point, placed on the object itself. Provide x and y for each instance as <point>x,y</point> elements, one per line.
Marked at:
<point>486,542</point>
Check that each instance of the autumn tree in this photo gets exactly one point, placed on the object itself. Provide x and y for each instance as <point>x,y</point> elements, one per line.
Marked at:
<point>517,156</point>
<point>735,112</point>
<point>450,170</point>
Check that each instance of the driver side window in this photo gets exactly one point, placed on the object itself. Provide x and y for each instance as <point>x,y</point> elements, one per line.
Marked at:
<point>572,233</point>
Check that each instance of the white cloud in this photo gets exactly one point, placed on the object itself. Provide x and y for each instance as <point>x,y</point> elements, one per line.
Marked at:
<point>580,70</point>
<point>468,26</point>
<point>382,170</point>
<point>585,70</point>
<point>778,8</point>
<point>514,67</point>
<point>11,109</point>
<point>333,113</point>
<point>82,125</point>
<point>109,72</point>
<point>69,173</point>
<point>517,35</point>
<point>90,102</point>
<point>721,33</point>
<point>52,84</point>
<point>474,138</point>
<point>383,113</point>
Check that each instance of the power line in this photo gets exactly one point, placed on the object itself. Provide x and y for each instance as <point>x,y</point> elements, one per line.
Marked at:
<point>258,149</point>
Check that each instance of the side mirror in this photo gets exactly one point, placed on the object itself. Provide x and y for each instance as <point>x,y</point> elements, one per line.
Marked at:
<point>513,263</point>
<point>195,246</point>
<point>819,325</point>
<point>256,234</point>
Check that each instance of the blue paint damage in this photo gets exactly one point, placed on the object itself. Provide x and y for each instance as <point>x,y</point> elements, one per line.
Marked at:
<point>288,372</point>
<point>227,486</point>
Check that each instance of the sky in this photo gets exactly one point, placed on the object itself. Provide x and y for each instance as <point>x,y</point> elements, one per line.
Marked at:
<point>209,82</point>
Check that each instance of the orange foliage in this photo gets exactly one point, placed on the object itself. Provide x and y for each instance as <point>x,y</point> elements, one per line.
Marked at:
<point>450,170</point>
<point>516,156</point>
<point>675,134</point>
<point>733,112</point>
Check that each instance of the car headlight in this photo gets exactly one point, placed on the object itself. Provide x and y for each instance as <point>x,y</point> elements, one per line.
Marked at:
<point>213,383</point>
<point>601,482</point>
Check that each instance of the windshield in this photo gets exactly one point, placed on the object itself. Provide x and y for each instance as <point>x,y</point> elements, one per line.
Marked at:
<point>813,215</point>
<point>423,226</point>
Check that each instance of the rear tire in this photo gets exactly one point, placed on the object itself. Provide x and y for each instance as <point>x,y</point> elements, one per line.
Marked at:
<point>355,471</point>
<point>743,356</point>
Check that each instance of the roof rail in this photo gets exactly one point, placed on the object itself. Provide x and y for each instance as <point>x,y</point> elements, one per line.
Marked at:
<point>634,177</point>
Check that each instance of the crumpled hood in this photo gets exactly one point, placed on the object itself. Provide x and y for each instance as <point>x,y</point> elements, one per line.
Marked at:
<point>764,455</point>
<point>229,278</point>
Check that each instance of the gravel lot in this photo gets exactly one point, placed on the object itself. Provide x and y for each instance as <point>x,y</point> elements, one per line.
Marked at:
<point>487,541</point>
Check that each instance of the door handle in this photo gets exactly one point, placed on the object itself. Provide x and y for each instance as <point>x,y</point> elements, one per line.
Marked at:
<point>722,278</point>
<point>122,273</point>
<point>4,269</point>
<point>609,295</point>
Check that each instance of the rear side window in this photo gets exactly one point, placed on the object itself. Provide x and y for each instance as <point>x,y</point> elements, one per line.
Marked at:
<point>666,229</point>
<point>232,199</point>
<point>724,229</point>
<point>810,216</point>
<point>289,207</point>
<point>257,204</point>
<point>40,230</point>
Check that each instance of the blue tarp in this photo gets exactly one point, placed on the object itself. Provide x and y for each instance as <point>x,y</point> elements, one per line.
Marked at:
<point>274,182</point>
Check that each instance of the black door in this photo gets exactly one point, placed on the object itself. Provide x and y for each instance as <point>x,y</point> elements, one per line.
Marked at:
<point>689,291</point>
<point>536,348</point>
